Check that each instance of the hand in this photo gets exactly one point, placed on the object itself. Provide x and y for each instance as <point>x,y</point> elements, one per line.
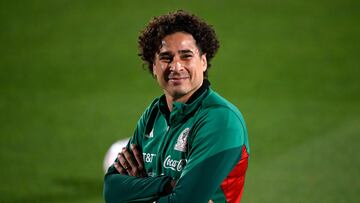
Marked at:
<point>131,164</point>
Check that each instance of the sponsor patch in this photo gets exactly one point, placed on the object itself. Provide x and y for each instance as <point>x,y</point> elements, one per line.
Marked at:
<point>148,157</point>
<point>173,164</point>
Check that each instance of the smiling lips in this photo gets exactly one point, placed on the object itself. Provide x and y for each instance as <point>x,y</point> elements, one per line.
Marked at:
<point>178,79</point>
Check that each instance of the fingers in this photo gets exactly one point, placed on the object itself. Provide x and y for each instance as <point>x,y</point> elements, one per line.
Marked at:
<point>130,163</point>
<point>129,159</point>
<point>123,163</point>
<point>119,168</point>
<point>138,157</point>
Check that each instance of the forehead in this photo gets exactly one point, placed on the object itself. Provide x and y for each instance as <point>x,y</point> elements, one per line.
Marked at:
<point>178,41</point>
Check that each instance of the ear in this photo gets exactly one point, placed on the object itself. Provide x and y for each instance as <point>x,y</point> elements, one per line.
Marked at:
<point>154,71</point>
<point>204,62</point>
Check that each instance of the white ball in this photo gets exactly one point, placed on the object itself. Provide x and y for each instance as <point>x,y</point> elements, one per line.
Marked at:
<point>112,153</point>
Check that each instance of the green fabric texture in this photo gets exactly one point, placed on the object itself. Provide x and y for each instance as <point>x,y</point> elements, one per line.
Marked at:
<point>123,188</point>
<point>200,184</point>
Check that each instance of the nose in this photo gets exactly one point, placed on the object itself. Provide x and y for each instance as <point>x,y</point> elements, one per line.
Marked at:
<point>175,65</point>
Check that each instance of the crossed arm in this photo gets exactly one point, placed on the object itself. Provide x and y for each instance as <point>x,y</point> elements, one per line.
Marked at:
<point>126,182</point>
<point>132,184</point>
<point>132,164</point>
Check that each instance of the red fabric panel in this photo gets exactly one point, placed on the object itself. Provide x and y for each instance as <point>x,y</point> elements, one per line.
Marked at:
<point>233,185</point>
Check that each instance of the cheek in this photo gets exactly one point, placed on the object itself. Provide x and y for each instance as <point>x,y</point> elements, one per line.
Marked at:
<point>160,73</point>
<point>197,69</point>
<point>158,70</point>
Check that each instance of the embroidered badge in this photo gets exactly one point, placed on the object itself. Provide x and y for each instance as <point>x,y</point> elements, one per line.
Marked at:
<point>182,140</point>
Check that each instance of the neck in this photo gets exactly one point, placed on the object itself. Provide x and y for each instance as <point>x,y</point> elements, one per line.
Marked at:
<point>170,100</point>
<point>181,98</point>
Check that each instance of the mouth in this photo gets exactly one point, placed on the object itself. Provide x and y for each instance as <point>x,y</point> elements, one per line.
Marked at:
<point>178,78</point>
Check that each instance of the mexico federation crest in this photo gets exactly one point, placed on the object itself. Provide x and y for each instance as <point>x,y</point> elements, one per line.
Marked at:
<point>182,140</point>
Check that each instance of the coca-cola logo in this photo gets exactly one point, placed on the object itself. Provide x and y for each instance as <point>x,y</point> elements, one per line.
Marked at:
<point>173,164</point>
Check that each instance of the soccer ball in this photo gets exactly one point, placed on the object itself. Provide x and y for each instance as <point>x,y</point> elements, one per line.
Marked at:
<point>112,153</point>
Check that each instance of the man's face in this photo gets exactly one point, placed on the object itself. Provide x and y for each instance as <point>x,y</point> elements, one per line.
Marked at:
<point>178,66</point>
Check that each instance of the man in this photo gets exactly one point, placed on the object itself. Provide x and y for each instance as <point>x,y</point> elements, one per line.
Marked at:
<point>190,145</point>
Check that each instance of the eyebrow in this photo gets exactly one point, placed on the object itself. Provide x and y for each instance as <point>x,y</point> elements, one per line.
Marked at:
<point>186,51</point>
<point>166,53</point>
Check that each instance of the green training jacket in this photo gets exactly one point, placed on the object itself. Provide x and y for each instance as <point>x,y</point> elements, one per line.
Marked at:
<point>203,144</point>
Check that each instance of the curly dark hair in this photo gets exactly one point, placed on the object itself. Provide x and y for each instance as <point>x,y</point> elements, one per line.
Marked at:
<point>179,21</point>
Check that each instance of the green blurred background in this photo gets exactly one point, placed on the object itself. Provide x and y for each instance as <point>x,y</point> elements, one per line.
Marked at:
<point>71,84</point>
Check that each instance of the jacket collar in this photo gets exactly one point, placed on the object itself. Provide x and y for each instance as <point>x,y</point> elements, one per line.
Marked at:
<point>180,110</point>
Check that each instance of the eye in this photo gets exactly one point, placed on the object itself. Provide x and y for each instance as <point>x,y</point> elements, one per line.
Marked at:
<point>186,56</point>
<point>165,59</point>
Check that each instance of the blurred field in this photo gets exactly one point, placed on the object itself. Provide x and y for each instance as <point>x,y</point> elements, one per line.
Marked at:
<point>71,84</point>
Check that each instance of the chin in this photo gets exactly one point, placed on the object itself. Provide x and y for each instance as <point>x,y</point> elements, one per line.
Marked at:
<point>180,92</point>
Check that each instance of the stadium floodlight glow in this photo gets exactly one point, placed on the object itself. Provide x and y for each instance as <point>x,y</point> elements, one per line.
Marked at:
<point>112,153</point>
